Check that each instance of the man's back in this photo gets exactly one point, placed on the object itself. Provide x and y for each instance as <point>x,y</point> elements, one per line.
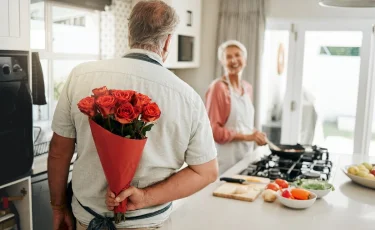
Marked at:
<point>182,134</point>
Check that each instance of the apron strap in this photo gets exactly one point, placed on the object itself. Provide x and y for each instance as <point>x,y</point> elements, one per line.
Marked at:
<point>101,222</point>
<point>142,57</point>
<point>231,87</point>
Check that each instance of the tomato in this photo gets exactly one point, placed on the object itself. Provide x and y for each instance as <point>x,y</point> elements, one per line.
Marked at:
<point>273,186</point>
<point>287,194</point>
<point>282,183</point>
<point>300,194</point>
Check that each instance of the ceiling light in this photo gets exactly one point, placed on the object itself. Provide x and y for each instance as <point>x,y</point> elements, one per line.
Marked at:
<point>348,3</point>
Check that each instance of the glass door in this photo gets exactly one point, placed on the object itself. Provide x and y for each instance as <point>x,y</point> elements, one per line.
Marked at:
<point>333,64</point>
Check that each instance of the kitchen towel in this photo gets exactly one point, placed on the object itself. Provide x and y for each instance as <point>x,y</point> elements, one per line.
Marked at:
<point>38,88</point>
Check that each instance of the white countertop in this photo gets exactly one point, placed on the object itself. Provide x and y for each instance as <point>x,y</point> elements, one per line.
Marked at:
<point>350,206</point>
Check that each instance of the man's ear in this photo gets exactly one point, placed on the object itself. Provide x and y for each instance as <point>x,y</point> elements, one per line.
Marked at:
<point>167,43</point>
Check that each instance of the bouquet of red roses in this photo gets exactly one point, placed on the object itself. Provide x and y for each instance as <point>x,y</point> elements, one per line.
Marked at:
<point>119,120</point>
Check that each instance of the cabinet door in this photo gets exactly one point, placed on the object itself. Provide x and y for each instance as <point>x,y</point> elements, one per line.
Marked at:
<point>14,18</point>
<point>4,18</point>
<point>14,24</point>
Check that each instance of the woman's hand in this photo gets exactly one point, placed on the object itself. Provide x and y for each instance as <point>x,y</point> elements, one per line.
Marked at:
<point>258,137</point>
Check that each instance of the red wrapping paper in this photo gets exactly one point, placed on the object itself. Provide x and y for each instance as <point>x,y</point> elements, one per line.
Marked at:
<point>119,158</point>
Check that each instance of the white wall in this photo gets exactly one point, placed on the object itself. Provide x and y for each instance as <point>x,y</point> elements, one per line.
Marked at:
<point>200,78</point>
<point>311,9</point>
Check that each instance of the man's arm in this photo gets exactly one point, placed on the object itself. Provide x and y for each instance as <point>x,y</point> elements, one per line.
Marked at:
<point>182,184</point>
<point>60,154</point>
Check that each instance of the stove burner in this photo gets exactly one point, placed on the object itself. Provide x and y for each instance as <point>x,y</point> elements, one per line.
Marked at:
<point>285,162</point>
<point>311,175</point>
<point>307,158</point>
<point>313,164</point>
<point>274,173</point>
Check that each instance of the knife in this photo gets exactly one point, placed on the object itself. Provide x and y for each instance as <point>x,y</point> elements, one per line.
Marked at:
<point>234,180</point>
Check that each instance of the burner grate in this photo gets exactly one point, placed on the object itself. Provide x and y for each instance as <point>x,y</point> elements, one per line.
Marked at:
<point>312,164</point>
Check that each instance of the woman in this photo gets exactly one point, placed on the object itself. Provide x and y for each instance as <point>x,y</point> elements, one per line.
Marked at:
<point>230,108</point>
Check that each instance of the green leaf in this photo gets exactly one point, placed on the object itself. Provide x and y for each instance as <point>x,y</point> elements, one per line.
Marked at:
<point>138,125</point>
<point>146,129</point>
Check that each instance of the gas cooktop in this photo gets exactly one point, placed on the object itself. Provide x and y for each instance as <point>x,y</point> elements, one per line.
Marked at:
<point>314,163</point>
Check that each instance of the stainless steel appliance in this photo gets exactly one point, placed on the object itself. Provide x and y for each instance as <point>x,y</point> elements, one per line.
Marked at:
<point>314,162</point>
<point>16,132</point>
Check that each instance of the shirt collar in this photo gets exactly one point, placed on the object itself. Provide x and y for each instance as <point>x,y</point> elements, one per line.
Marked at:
<point>150,54</point>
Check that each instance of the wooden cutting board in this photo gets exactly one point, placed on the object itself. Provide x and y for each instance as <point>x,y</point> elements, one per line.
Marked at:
<point>242,192</point>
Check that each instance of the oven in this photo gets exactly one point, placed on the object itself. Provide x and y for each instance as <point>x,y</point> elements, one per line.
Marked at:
<point>16,132</point>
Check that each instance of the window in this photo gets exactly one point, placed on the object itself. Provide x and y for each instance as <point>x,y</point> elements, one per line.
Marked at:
<point>37,25</point>
<point>64,37</point>
<point>339,51</point>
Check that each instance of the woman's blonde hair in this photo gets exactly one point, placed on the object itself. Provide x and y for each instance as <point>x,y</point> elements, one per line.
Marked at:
<point>226,44</point>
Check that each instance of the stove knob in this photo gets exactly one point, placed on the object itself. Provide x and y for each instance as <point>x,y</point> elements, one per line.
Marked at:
<point>6,69</point>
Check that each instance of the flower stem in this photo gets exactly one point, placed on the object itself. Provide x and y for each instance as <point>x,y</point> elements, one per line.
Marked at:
<point>122,130</point>
<point>109,124</point>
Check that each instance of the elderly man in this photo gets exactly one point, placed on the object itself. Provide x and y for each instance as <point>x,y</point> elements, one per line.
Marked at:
<point>182,134</point>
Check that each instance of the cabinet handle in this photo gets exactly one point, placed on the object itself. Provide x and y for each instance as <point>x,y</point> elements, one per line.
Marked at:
<point>189,18</point>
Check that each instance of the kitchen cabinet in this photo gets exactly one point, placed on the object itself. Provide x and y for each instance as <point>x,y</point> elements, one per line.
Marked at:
<point>22,208</point>
<point>185,44</point>
<point>14,25</point>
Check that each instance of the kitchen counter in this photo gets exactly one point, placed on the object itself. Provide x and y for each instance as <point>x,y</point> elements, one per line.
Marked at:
<point>350,206</point>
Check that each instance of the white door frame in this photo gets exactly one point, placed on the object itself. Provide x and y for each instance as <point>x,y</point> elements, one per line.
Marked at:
<point>365,101</point>
<point>287,120</point>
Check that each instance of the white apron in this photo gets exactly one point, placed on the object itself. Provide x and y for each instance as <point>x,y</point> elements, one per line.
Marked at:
<point>241,119</point>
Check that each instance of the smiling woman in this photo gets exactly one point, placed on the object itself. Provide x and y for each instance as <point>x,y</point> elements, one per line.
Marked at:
<point>230,108</point>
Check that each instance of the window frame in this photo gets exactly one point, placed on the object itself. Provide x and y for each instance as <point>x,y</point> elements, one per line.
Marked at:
<point>366,85</point>
<point>48,54</point>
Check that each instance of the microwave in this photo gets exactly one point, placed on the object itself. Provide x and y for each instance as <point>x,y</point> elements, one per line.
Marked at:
<point>16,132</point>
<point>185,48</point>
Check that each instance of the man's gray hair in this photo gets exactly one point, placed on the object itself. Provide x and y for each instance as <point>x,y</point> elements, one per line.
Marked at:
<point>150,23</point>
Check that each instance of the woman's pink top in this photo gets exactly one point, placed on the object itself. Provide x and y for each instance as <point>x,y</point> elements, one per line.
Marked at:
<point>218,108</point>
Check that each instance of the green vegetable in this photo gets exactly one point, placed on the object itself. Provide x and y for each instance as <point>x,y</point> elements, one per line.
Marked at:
<point>314,184</point>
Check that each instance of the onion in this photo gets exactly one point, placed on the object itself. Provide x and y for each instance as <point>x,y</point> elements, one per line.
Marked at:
<point>269,195</point>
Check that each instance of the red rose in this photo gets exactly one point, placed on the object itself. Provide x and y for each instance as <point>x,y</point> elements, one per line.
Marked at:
<point>151,112</point>
<point>100,91</point>
<point>123,96</point>
<point>87,106</point>
<point>140,100</point>
<point>126,113</point>
<point>106,104</point>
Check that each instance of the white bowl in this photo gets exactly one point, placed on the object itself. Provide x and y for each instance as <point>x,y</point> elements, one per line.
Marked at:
<point>297,204</point>
<point>359,180</point>
<point>319,193</point>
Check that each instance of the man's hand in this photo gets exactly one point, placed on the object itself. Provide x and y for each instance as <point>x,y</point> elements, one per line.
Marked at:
<point>136,198</point>
<point>63,220</point>
<point>183,183</point>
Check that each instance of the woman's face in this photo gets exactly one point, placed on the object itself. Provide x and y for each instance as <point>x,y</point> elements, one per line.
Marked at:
<point>233,61</point>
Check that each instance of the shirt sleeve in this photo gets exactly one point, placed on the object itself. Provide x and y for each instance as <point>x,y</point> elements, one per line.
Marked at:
<point>201,148</point>
<point>62,123</point>
<point>218,109</point>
